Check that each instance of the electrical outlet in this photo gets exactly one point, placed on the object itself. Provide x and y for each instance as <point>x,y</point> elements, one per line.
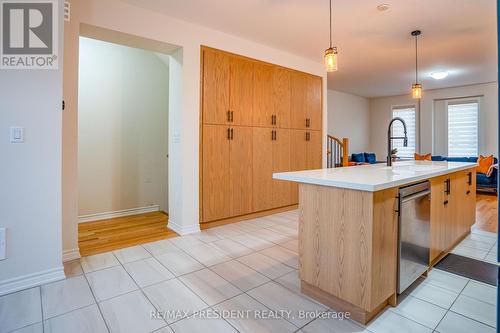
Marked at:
<point>3,241</point>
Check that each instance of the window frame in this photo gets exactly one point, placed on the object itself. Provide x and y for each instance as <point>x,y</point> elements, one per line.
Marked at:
<point>417,122</point>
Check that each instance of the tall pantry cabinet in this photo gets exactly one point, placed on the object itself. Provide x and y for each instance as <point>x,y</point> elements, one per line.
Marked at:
<point>257,119</point>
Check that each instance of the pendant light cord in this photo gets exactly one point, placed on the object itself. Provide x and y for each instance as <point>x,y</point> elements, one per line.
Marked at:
<point>416,59</point>
<point>330,23</point>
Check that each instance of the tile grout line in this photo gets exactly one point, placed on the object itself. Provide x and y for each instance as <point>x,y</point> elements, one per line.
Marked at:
<point>97,303</point>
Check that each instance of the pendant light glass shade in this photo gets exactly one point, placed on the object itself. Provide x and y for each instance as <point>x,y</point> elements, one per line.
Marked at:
<point>330,57</point>
<point>416,91</point>
<point>331,62</point>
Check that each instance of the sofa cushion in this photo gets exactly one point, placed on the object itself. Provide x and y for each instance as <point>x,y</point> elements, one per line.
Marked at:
<point>423,157</point>
<point>359,158</point>
<point>371,158</point>
<point>482,179</point>
<point>484,163</point>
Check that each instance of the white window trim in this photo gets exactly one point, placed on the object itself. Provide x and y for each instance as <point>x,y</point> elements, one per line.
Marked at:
<point>417,121</point>
<point>465,100</point>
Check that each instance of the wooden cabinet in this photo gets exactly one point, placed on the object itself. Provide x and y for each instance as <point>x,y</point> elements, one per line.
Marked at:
<point>465,210</point>
<point>281,97</point>
<point>313,111</point>
<point>271,153</point>
<point>263,103</point>
<point>257,119</point>
<point>226,172</point>
<point>453,202</point>
<point>215,96</point>
<point>306,103</point>
<point>281,163</point>
<point>298,113</point>
<point>241,91</point>
<point>215,173</point>
<point>263,168</point>
<point>240,170</point>
<point>227,89</point>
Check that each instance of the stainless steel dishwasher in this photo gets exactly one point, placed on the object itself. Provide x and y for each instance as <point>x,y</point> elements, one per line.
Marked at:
<point>413,233</point>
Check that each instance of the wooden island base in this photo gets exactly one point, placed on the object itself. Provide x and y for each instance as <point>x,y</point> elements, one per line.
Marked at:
<point>355,313</point>
<point>348,240</point>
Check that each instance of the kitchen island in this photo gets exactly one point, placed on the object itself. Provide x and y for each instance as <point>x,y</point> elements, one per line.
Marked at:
<point>348,228</point>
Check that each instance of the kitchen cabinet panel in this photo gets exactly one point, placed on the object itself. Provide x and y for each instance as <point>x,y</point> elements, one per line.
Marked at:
<point>240,172</point>
<point>215,87</point>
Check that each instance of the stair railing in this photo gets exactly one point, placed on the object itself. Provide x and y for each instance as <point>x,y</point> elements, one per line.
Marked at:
<point>337,152</point>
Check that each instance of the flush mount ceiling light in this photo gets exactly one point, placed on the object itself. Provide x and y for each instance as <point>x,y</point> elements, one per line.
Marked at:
<point>383,7</point>
<point>416,88</point>
<point>439,75</point>
<point>330,56</point>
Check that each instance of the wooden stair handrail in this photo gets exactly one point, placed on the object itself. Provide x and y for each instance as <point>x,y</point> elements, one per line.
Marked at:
<point>344,143</point>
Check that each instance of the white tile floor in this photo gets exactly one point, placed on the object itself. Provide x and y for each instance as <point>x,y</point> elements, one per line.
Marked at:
<point>246,266</point>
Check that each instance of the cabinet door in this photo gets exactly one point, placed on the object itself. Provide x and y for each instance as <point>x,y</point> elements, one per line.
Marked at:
<point>470,203</point>
<point>439,217</point>
<point>314,150</point>
<point>215,87</point>
<point>314,106</point>
<point>241,91</point>
<point>262,168</point>
<point>298,158</point>
<point>458,197</point>
<point>241,171</point>
<point>281,163</point>
<point>281,97</point>
<point>298,106</point>
<point>215,173</point>
<point>464,196</point>
<point>263,96</point>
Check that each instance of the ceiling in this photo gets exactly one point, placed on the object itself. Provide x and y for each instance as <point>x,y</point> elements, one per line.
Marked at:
<point>376,51</point>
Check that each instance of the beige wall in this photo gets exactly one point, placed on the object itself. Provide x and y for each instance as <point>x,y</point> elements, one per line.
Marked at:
<point>122,128</point>
<point>349,117</point>
<point>381,113</point>
<point>183,121</point>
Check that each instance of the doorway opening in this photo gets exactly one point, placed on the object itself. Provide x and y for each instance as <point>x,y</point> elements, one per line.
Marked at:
<point>123,142</point>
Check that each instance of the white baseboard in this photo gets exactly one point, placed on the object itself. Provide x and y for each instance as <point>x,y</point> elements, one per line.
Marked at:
<point>72,254</point>
<point>118,213</point>
<point>31,280</point>
<point>182,230</point>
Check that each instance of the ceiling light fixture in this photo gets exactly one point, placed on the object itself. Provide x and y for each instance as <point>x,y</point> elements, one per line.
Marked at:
<point>330,56</point>
<point>383,7</point>
<point>439,75</point>
<point>416,88</point>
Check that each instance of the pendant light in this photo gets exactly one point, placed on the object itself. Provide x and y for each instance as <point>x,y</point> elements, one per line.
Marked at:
<point>331,52</point>
<point>416,88</point>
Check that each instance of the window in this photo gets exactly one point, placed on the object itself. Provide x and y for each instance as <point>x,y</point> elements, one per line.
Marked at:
<point>408,114</point>
<point>463,128</point>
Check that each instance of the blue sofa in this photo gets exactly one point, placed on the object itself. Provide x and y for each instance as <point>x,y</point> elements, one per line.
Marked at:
<point>364,158</point>
<point>483,182</point>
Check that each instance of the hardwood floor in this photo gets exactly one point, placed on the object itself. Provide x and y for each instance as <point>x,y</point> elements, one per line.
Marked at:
<point>117,233</point>
<point>486,212</point>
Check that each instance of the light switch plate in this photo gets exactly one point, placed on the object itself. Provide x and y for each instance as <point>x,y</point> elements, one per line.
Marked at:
<point>3,241</point>
<point>16,134</point>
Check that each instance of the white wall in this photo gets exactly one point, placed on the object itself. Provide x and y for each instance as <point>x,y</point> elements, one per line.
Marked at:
<point>381,113</point>
<point>122,128</point>
<point>30,176</point>
<point>184,131</point>
<point>349,117</point>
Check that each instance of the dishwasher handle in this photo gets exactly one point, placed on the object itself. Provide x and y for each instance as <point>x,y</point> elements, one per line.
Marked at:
<point>415,196</point>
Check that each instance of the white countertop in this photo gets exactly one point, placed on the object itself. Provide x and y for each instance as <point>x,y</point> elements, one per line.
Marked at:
<point>374,177</point>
